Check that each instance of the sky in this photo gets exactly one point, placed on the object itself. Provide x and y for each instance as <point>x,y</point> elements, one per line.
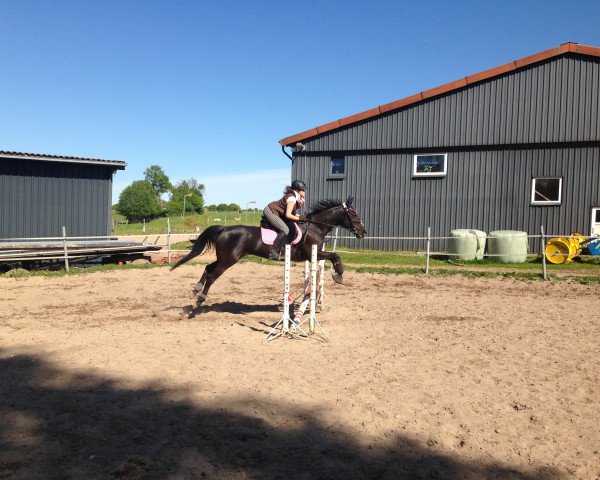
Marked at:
<point>206,89</point>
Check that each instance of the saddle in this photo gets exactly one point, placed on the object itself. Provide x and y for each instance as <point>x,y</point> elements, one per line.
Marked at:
<point>268,234</point>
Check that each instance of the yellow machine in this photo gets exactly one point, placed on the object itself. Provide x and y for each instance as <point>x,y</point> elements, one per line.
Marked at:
<point>562,250</point>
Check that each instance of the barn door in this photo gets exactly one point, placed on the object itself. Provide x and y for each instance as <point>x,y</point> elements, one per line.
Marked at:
<point>596,221</point>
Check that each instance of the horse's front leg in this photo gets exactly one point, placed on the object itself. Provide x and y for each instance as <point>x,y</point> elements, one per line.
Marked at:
<point>336,262</point>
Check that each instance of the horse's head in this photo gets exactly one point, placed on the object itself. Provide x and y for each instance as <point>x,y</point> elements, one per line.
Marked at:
<point>333,213</point>
<point>352,221</point>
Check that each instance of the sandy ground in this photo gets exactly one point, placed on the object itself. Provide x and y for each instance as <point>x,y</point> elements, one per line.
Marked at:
<point>104,376</point>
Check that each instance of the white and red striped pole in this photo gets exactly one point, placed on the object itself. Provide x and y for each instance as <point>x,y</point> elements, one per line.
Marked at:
<point>286,291</point>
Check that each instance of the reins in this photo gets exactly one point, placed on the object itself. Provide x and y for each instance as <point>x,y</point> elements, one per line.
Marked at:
<point>317,223</point>
<point>307,222</point>
<point>347,211</point>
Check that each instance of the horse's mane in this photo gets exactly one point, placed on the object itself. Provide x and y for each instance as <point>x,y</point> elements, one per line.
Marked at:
<point>323,205</point>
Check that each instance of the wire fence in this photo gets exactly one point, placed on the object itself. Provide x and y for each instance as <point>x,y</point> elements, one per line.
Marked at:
<point>72,248</point>
<point>571,246</point>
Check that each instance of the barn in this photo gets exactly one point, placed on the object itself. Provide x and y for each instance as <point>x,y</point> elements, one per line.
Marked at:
<point>39,194</point>
<point>515,147</point>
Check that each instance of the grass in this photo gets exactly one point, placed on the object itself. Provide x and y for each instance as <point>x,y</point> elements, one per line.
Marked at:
<point>182,246</point>
<point>443,269</point>
<point>187,224</point>
<point>386,258</point>
<point>523,276</point>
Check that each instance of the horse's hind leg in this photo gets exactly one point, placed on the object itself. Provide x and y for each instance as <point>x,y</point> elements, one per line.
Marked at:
<point>211,273</point>
<point>200,285</point>
<point>200,289</point>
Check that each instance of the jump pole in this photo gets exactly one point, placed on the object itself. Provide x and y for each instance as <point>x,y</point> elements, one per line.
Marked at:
<point>321,296</point>
<point>310,296</point>
<point>285,328</point>
<point>297,321</point>
<point>313,289</point>
<point>284,323</point>
<point>322,299</point>
<point>321,284</point>
<point>307,295</point>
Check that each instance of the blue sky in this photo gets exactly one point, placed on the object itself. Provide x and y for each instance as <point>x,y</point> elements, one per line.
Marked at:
<point>205,89</point>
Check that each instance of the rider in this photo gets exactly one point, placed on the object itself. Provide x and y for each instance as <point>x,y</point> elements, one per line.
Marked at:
<point>281,215</point>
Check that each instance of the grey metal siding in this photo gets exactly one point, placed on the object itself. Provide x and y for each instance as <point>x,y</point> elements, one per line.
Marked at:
<point>552,102</point>
<point>486,190</point>
<point>543,120</point>
<point>37,198</point>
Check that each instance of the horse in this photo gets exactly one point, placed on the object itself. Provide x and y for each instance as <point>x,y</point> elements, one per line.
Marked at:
<point>234,242</point>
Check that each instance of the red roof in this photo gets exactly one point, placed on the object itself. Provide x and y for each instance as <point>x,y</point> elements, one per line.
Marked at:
<point>448,87</point>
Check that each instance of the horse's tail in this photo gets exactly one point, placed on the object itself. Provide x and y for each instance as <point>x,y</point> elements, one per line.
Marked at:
<point>206,240</point>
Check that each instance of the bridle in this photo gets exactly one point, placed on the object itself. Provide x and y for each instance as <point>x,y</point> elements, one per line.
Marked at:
<point>350,211</point>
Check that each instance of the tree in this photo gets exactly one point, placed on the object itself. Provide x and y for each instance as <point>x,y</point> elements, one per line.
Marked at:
<point>139,201</point>
<point>233,207</point>
<point>156,176</point>
<point>222,207</point>
<point>193,193</point>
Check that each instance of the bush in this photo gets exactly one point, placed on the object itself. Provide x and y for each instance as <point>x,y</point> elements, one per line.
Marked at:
<point>190,191</point>
<point>192,221</point>
<point>139,201</point>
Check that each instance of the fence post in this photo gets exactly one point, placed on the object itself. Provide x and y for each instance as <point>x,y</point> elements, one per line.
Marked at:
<point>169,240</point>
<point>64,232</point>
<point>313,289</point>
<point>321,290</point>
<point>543,241</point>
<point>428,249</point>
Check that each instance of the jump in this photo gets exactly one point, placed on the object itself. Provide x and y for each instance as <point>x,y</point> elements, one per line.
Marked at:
<point>234,242</point>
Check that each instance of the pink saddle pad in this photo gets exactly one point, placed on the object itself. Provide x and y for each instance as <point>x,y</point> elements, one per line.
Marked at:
<point>268,235</point>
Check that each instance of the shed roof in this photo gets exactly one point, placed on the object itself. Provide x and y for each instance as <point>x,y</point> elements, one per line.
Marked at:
<point>563,49</point>
<point>115,164</point>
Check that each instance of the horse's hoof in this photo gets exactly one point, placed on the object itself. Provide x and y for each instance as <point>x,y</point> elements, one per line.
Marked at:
<point>188,312</point>
<point>197,289</point>
<point>200,299</point>
<point>338,278</point>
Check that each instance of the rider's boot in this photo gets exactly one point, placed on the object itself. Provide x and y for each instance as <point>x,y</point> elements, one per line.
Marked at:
<point>275,253</point>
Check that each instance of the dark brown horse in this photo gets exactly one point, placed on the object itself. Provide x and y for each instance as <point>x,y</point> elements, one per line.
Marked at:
<point>233,243</point>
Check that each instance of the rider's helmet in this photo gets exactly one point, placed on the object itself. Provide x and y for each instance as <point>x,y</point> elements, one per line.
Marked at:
<point>298,185</point>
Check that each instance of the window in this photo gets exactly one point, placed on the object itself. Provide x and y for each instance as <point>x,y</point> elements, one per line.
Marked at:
<point>432,165</point>
<point>596,221</point>
<point>338,166</point>
<point>546,191</point>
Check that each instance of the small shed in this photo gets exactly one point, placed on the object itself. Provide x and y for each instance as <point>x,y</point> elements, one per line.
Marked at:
<point>39,194</point>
